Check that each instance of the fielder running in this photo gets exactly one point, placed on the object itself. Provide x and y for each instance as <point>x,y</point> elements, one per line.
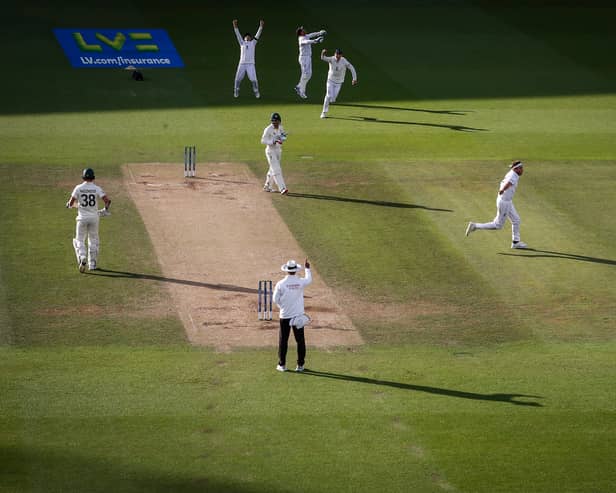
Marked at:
<point>246,65</point>
<point>338,66</point>
<point>273,137</point>
<point>305,42</point>
<point>86,198</point>
<point>504,207</point>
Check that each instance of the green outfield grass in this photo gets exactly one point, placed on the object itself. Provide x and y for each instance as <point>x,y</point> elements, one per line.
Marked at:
<point>484,369</point>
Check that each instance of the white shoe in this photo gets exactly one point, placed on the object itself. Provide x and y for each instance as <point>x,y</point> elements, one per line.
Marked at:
<point>82,265</point>
<point>324,115</point>
<point>470,228</point>
<point>257,95</point>
<point>519,244</point>
<point>303,95</point>
<point>284,191</point>
<point>299,368</point>
<point>236,94</point>
<point>281,368</point>
<point>267,188</point>
<point>92,265</point>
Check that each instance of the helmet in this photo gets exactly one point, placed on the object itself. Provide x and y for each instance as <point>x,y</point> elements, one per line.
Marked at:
<point>88,174</point>
<point>276,117</point>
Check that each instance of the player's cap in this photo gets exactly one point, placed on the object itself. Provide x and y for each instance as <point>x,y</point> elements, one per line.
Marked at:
<point>338,51</point>
<point>276,117</point>
<point>88,174</point>
<point>291,266</point>
<point>517,164</point>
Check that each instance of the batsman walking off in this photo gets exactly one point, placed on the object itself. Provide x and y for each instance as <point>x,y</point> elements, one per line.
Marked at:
<point>504,207</point>
<point>86,196</point>
<point>273,137</point>
<point>289,297</point>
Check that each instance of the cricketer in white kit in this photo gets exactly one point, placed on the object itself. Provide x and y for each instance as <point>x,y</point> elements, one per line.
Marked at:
<point>246,65</point>
<point>273,137</point>
<point>504,207</point>
<point>305,42</point>
<point>338,66</point>
<point>86,197</point>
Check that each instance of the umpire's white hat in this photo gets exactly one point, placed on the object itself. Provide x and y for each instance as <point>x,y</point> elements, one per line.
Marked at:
<point>291,266</point>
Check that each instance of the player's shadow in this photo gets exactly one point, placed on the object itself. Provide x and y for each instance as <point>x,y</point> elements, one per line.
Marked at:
<point>399,108</point>
<point>150,277</point>
<point>381,203</point>
<point>460,394</point>
<point>568,256</point>
<point>457,128</point>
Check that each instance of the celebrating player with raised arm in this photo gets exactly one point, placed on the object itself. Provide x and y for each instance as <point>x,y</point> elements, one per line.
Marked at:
<point>338,66</point>
<point>246,65</point>
<point>305,42</point>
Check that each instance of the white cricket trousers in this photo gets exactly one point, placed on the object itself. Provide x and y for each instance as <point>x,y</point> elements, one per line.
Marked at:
<point>504,210</point>
<point>243,70</point>
<point>275,171</point>
<point>333,88</point>
<point>305,64</point>
<point>87,229</point>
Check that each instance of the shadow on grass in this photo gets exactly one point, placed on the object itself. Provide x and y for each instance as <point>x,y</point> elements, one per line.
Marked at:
<point>95,471</point>
<point>508,398</point>
<point>381,203</point>
<point>399,108</point>
<point>186,282</point>
<point>458,128</point>
<point>567,256</point>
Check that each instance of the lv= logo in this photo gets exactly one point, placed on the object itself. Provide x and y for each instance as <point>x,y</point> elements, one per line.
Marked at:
<point>117,43</point>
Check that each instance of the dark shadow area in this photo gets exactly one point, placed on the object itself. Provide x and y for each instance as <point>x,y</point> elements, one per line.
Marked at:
<point>457,128</point>
<point>507,398</point>
<point>399,108</point>
<point>442,50</point>
<point>380,203</point>
<point>568,256</point>
<point>91,471</point>
<point>186,282</point>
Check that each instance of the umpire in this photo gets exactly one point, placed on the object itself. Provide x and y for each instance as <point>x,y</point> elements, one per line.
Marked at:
<point>289,297</point>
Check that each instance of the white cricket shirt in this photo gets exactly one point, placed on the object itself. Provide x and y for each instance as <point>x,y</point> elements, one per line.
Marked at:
<point>305,44</point>
<point>512,177</point>
<point>338,68</point>
<point>289,294</point>
<point>87,195</point>
<point>247,48</point>
<point>271,135</point>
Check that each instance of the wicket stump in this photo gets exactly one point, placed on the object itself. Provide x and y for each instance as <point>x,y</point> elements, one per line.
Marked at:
<point>190,161</point>
<point>265,304</point>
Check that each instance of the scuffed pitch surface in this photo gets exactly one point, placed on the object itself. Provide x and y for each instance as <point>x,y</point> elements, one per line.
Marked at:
<point>216,235</point>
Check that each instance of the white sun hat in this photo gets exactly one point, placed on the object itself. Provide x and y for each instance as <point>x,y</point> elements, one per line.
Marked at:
<point>291,266</point>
